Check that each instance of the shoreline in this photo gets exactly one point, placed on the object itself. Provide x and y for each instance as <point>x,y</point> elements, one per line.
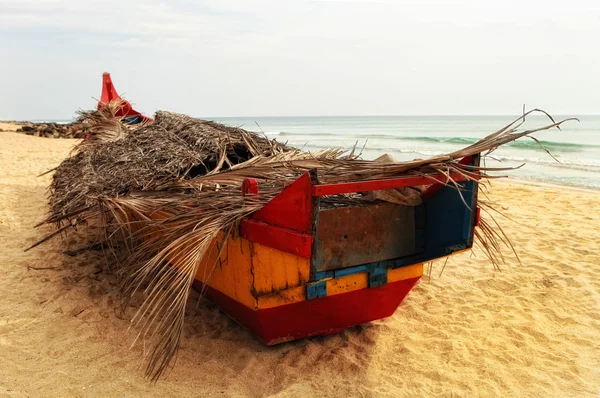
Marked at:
<point>549,184</point>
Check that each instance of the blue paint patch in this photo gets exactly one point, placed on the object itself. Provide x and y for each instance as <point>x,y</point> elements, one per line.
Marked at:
<point>135,119</point>
<point>469,196</point>
<point>316,290</point>
<point>378,274</point>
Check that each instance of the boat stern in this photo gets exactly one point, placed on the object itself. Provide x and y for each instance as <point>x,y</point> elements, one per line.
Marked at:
<point>302,266</point>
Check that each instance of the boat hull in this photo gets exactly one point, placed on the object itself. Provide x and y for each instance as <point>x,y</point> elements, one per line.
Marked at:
<point>297,268</point>
<point>319,317</point>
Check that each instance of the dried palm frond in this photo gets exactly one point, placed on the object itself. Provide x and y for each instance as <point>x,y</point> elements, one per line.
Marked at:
<point>167,253</point>
<point>102,125</point>
<point>490,236</point>
<point>169,191</point>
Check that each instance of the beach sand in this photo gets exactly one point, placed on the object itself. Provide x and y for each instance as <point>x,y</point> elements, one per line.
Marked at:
<point>8,126</point>
<point>529,330</point>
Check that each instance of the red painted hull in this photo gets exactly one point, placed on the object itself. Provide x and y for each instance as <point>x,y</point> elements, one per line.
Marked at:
<point>322,316</point>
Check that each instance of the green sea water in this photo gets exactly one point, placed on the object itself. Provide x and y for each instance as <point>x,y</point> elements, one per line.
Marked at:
<point>575,148</point>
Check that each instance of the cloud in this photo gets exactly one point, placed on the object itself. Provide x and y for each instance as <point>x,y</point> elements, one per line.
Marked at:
<point>301,57</point>
<point>136,20</point>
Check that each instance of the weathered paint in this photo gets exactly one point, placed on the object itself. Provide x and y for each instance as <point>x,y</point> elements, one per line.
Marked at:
<point>360,281</point>
<point>248,269</point>
<point>338,285</point>
<point>450,218</point>
<point>233,275</point>
<point>402,273</point>
<point>315,290</point>
<point>266,278</point>
<point>274,270</point>
<point>262,277</point>
<point>282,297</point>
<point>356,235</point>
<point>347,283</point>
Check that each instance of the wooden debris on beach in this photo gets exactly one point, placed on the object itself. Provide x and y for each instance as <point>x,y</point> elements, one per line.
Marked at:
<point>53,130</point>
<point>191,172</point>
<point>95,125</point>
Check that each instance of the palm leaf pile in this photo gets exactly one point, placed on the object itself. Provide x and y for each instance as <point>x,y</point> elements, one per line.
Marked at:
<point>165,192</point>
<point>88,123</point>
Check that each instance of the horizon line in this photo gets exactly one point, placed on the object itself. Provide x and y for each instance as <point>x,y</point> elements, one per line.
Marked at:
<point>414,115</point>
<point>333,116</point>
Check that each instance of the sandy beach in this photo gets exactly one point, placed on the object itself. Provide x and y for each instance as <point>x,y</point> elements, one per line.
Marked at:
<point>530,330</point>
<point>8,126</point>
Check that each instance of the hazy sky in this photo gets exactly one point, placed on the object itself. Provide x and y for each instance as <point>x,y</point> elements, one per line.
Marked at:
<point>258,58</point>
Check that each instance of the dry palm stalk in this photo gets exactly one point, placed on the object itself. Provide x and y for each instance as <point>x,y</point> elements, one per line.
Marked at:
<point>190,173</point>
<point>167,254</point>
<point>103,125</point>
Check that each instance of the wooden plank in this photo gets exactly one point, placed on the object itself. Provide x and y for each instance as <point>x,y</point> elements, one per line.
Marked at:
<point>357,235</point>
<point>292,208</point>
<point>274,270</point>
<point>376,185</point>
<point>232,276</point>
<point>352,282</point>
<point>336,286</point>
<point>411,271</point>
<point>283,239</point>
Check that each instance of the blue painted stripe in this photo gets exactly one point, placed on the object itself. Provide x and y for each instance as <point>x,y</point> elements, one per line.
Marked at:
<point>323,275</point>
<point>350,271</point>
<point>357,269</point>
<point>469,196</point>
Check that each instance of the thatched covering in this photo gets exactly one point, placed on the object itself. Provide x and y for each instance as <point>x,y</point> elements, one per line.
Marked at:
<point>190,172</point>
<point>53,130</point>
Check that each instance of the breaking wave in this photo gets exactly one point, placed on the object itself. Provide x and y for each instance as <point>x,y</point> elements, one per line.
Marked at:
<point>523,143</point>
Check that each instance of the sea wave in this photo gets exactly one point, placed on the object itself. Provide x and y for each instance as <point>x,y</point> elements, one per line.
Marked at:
<point>524,143</point>
<point>61,121</point>
<point>521,143</point>
<point>574,164</point>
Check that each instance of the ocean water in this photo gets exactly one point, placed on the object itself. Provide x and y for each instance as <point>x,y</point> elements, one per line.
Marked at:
<point>576,146</point>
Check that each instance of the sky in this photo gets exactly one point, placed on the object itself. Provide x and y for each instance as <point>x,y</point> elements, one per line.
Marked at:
<point>293,58</point>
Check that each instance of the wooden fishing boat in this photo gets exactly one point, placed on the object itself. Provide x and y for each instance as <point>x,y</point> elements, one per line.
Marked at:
<point>306,265</point>
<point>297,268</point>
